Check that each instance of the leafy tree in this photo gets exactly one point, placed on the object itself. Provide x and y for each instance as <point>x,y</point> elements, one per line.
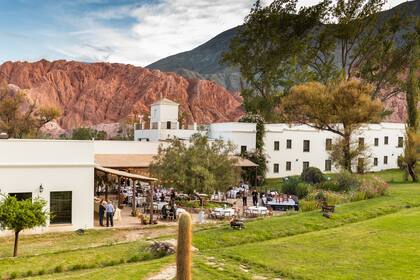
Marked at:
<point>341,108</point>
<point>258,156</point>
<point>267,50</point>
<point>87,133</point>
<point>200,165</point>
<point>18,215</point>
<point>280,46</point>
<point>20,117</point>
<point>412,89</point>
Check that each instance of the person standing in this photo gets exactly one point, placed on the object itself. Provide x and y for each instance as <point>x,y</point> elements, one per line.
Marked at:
<point>255,197</point>
<point>109,209</point>
<point>101,212</point>
<point>244,197</point>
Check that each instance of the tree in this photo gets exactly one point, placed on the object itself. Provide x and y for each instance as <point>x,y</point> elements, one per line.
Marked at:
<point>279,46</point>
<point>258,156</point>
<point>87,133</point>
<point>18,215</point>
<point>198,166</point>
<point>20,117</point>
<point>412,90</point>
<point>267,50</point>
<point>341,107</point>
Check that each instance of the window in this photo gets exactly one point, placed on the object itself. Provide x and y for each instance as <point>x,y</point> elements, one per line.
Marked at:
<point>276,145</point>
<point>288,165</point>
<point>276,168</point>
<point>22,195</point>
<point>376,140</point>
<point>328,144</point>
<point>60,207</point>
<point>360,165</point>
<point>327,165</point>
<point>243,149</point>
<point>385,159</point>
<point>386,140</point>
<point>168,125</point>
<point>400,142</point>
<point>305,164</point>
<point>361,142</point>
<point>289,144</point>
<point>375,161</point>
<point>306,145</point>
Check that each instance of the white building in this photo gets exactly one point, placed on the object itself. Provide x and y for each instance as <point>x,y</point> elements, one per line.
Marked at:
<point>164,125</point>
<point>290,149</point>
<point>61,172</point>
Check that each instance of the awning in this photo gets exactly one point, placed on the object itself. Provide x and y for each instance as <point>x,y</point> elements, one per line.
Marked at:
<point>124,174</point>
<point>244,162</point>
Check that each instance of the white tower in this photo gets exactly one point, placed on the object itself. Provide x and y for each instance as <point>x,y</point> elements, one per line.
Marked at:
<point>164,114</point>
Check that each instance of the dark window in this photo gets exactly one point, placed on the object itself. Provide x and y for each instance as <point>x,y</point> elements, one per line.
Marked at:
<point>328,144</point>
<point>360,165</point>
<point>361,142</point>
<point>276,168</point>
<point>376,142</point>
<point>386,140</point>
<point>289,144</point>
<point>305,164</point>
<point>327,165</point>
<point>400,142</point>
<point>375,161</point>
<point>60,207</point>
<point>22,195</point>
<point>276,145</point>
<point>168,125</point>
<point>306,145</point>
<point>385,159</point>
<point>288,165</point>
<point>243,149</point>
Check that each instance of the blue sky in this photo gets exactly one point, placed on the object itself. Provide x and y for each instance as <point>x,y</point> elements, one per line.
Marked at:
<point>138,32</point>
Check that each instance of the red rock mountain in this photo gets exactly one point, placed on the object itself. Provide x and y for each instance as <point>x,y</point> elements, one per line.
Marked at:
<point>97,93</point>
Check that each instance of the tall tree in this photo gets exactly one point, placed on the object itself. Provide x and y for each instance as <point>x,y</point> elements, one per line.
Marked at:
<point>412,98</point>
<point>20,117</point>
<point>280,46</point>
<point>18,215</point>
<point>200,165</point>
<point>340,107</point>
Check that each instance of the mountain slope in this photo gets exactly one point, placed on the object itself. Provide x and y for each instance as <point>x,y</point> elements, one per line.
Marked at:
<point>97,93</point>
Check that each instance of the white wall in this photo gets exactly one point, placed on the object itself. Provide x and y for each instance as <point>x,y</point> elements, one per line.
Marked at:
<point>240,134</point>
<point>58,166</point>
<point>318,154</point>
<point>164,113</point>
<point>126,147</point>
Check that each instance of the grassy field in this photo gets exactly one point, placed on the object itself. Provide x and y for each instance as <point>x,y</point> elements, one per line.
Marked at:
<point>371,239</point>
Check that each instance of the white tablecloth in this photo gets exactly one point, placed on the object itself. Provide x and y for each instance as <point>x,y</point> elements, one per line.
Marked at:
<point>159,205</point>
<point>225,212</point>
<point>289,202</point>
<point>259,210</point>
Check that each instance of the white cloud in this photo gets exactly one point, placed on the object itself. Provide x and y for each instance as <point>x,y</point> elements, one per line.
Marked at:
<point>158,30</point>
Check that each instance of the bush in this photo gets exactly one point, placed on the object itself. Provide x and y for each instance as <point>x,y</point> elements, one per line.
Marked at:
<point>29,273</point>
<point>58,268</point>
<point>13,275</point>
<point>293,186</point>
<point>346,181</point>
<point>41,272</point>
<point>329,185</point>
<point>308,205</point>
<point>312,175</point>
<point>372,186</point>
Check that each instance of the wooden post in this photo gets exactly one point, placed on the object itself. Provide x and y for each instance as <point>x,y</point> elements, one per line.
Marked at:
<point>151,202</point>
<point>134,198</point>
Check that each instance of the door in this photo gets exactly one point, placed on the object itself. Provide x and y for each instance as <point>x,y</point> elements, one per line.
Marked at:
<point>60,207</point>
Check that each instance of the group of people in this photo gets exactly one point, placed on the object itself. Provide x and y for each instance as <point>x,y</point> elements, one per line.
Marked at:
<point>107,210</point>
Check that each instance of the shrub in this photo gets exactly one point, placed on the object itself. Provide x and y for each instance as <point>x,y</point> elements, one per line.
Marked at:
<point>329,185</point>
<point>13,275</point>
<point>357,196</point>
<point>161,249</point>
<point>41,272</point>
<point>29,273</point>
<point>312,175</point>
<point>372,186</point>
<point>346,181</point>
<point>134,258</point>
<point>293,186</point>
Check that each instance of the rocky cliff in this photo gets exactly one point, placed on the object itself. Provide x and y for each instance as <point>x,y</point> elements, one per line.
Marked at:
<point>98,93</point>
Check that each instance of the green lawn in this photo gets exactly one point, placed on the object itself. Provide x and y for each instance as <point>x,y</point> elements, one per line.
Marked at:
<point>371,239</point>
<point>383,248</point>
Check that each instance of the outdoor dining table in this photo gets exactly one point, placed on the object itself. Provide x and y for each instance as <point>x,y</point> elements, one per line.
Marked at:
<point>223,212</point>
<point>282,205</point>
<point>159,205</point>
<point>258,210</point>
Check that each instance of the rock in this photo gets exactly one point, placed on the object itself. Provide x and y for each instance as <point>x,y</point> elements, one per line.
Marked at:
<point>103,93</point>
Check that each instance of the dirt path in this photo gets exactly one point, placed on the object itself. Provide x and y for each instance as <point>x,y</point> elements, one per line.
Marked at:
<point>168,273</point>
